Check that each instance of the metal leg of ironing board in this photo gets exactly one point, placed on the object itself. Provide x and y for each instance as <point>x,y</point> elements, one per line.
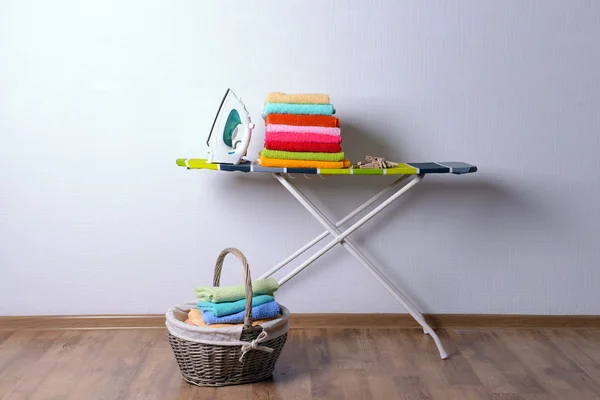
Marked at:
<point>338,224</point>
<point>339,238</point>
<point>332,230</point>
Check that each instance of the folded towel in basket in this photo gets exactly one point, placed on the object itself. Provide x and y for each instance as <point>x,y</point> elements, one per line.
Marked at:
<point>305,109</point>
<point>234,293</point>
<point>232,307</point>
<point>303,120</point>
<point>303,155</point>
<point>267,310</point>
<point>195,319</point>
<point>302,98</point>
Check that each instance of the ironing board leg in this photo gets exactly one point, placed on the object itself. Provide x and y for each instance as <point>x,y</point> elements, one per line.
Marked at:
<point>332,229</point>
<point>338,224</point>
<point>340,238</point>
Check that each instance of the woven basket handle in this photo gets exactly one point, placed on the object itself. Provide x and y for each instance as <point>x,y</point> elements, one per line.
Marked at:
<point>247,279</point>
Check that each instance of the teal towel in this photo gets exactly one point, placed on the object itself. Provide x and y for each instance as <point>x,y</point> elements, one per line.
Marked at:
<point>235,293</point>
<point>232,307</point>
<point>286,108</point>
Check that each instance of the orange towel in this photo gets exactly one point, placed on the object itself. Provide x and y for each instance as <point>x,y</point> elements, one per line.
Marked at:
<point>195,318</point>
<point>279,162</point>
<point>303,120</point>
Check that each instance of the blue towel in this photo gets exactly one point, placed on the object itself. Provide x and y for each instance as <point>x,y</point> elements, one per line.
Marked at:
<point>232,307</point>
<point>286,108</point>
<point>267,310</point>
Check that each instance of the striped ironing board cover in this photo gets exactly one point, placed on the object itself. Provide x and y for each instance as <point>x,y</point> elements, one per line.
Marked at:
<point>450,167</point>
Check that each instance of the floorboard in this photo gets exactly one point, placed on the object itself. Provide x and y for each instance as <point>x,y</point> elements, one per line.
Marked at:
<point>325,363</point>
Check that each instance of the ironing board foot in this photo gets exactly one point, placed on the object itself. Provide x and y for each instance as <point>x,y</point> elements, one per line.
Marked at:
<point>341,239</point>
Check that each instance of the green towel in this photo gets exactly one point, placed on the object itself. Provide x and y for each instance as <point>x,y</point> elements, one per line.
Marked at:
<point>233,307</point>
<point>301,155</point>
<point>235,293</point>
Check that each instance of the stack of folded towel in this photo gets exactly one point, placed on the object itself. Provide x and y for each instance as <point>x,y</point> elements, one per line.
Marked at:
<point>301,132</point>
<point>226,306</point>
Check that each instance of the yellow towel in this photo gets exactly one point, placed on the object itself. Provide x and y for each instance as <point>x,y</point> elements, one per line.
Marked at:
<point>195,318</point>
<point>279,162</point>
<point>308,98</point>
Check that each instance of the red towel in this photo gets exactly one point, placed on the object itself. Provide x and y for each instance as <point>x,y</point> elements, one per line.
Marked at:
<point>302,137</point>
<point>303,120</point>
<point>300,146</point>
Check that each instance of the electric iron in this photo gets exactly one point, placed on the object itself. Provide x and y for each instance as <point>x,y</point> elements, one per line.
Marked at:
<point>231,131</point>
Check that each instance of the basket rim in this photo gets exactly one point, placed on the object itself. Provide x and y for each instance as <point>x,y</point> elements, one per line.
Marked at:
<point>171,319</point>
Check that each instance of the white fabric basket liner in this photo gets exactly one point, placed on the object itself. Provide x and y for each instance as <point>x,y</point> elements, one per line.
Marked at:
<point>176,315</point>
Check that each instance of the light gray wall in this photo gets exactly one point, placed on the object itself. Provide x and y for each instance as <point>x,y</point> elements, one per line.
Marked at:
<point>98,99</point>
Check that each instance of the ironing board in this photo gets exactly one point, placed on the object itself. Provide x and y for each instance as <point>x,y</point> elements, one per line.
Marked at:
<point>415,171</point>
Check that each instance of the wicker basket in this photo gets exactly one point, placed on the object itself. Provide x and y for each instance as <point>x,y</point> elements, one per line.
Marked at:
<point>226,356</point>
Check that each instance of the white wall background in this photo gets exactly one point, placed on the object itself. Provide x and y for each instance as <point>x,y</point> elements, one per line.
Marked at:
<point>98,99</point>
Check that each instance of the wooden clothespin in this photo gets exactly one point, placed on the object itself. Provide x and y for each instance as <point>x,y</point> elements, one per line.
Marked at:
<point>372,162</point>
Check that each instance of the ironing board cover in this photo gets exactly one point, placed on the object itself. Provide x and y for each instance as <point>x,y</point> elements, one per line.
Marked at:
<point>449,167</point>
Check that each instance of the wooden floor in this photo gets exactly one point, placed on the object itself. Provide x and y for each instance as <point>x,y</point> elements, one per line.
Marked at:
<point>315,364</point>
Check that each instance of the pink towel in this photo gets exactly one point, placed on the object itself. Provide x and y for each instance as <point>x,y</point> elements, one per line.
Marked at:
<point>321,130</point>
<point>301,137</point>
